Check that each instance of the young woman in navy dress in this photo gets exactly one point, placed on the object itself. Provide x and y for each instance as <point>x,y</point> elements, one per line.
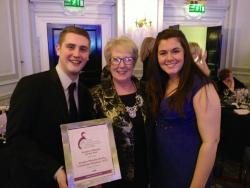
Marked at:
<point>186,109</point>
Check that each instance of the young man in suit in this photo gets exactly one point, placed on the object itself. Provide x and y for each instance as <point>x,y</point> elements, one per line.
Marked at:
<point>39,105</point>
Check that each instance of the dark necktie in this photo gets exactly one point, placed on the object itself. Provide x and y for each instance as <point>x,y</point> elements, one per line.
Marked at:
<point>72,103</point>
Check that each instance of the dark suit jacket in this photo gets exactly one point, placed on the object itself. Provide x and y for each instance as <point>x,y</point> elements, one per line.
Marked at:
<point>37,109</point>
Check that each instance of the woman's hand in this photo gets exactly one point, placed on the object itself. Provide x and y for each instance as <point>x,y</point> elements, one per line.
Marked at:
<point>61,178</point>
<point>202,64</point>
<point>203,56</point>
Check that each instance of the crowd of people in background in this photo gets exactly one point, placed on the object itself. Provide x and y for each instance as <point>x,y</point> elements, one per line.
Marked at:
<point>166,125</point>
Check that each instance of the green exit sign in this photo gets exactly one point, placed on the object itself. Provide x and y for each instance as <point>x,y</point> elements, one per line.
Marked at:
<point>199,8</point>
<point>74,3</point>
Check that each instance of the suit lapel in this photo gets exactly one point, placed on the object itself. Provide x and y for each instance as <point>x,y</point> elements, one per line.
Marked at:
<point>59,95</point>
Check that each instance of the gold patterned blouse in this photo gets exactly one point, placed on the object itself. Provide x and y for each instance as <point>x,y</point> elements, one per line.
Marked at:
<point>107,103</point>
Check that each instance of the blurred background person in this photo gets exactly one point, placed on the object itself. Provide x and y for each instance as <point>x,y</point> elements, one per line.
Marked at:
<point>186,109</point>
<point>199,57</point>
<point>120,98</point>
<point>145,51</point>
<point>227,83</point>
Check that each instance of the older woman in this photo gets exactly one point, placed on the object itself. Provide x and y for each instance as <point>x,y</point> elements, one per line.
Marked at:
<point>120,98</point>
<point>227,83</point>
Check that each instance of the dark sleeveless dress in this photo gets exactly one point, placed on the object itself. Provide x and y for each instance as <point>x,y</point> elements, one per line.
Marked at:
<point>176,145</point>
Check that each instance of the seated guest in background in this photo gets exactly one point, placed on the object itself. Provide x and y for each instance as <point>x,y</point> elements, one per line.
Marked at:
<point>145,51</point>
<point>227,83</point>
<point>186,109</point>
<point>199,57</point>
<point>120,98</point>
<point>39,105</point>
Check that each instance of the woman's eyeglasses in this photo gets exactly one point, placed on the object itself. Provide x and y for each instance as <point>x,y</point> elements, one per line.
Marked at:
<point>125,60</point>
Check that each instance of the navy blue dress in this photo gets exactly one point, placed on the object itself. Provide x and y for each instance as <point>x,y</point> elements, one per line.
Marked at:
<point>176,144</point>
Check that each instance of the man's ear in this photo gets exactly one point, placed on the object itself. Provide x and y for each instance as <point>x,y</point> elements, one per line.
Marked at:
<point>58,48</point>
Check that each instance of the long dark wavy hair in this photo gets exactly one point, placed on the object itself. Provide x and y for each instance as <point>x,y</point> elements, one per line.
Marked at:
<point>158,79</point>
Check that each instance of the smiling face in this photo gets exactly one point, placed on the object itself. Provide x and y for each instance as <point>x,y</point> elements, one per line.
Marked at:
<point>170,56</point>
<point>73,54</point>
<point>121,72</point>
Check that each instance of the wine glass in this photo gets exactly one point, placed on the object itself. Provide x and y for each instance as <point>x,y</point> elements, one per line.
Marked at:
<point>239,97</point>
<point>226,96</point>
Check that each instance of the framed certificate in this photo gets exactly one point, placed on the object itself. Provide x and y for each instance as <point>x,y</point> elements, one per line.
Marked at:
<point>90,153</point>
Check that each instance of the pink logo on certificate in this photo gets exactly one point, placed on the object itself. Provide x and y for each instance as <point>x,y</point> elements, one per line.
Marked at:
<point>81,139</point>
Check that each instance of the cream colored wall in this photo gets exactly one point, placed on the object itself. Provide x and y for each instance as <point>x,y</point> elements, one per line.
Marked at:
<point>195,34</point>
<point>10,50</point>
<point>239,51</point>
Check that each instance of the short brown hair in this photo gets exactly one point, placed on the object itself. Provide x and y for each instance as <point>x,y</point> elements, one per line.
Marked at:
<point>146,47</point>
<point>224,73</point>
<point>72,29</point>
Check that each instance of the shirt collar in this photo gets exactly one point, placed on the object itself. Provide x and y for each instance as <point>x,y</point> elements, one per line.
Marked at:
<point>64,78</point>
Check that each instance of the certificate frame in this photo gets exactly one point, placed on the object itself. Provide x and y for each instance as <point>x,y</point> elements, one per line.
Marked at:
<point>90,153</point>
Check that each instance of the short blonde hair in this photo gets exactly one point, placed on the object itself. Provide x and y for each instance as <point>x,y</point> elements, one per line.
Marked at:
<point>146,47</point>
<point>122,42</point>
<point>194,47</point>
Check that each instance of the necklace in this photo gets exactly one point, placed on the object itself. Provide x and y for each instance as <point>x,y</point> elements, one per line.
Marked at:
<point>133,109</point>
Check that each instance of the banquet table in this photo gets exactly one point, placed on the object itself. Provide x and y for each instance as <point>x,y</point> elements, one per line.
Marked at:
<point>235,133</point>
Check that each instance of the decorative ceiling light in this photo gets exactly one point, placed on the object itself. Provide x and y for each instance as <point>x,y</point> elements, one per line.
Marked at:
<point>143,23</point>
